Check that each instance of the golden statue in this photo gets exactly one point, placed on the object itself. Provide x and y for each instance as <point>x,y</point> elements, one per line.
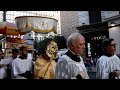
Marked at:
<point>45,64</point>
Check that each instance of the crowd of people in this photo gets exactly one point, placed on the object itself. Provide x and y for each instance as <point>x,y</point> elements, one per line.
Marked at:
<point>70,65</point>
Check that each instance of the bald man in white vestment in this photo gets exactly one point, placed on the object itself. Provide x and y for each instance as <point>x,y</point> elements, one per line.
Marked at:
<point>71,65</point>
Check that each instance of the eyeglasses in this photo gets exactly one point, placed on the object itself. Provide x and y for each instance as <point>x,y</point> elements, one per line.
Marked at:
<point>113,44</point>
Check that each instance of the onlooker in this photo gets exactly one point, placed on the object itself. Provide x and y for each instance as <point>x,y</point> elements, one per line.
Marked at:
<point>108,65</point>
<point>71,65</point>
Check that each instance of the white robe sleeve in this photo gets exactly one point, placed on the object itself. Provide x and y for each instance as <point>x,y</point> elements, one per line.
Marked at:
<point>61,70</point>
<point>73,71</point>
<point>3,73</point>
<point>102,69</point>
<point>18,67</point>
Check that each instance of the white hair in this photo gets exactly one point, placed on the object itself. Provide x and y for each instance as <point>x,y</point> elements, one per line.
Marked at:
<point>72,38</point>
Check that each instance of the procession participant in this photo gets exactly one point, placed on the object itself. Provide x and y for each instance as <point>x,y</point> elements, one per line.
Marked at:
<point>3,68</point>
<point>22,68</point>
<point>71,65</point>
<point>108,65</point>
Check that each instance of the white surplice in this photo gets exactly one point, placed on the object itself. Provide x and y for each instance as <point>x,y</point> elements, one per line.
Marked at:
<point>3,72</point>
<point>67,68</point>
<point>20,66</point>
<point>105,65</point>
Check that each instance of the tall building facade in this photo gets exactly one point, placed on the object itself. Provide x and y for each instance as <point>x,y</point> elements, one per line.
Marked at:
<point>72,19</point>
<point>69,22</point>
<point>105,16</point>
<point>113,17</point>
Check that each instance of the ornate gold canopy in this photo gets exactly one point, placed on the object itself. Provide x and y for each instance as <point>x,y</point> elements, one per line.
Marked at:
<point>37,24</point>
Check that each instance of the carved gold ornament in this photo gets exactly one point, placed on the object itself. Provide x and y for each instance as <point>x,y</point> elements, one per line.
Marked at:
<point>52,49</point>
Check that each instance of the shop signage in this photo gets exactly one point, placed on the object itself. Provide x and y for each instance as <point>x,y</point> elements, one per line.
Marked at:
<point>99,38</point>
<point>94,28</point>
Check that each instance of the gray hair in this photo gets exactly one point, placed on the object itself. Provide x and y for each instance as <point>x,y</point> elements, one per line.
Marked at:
<point>72,38</point>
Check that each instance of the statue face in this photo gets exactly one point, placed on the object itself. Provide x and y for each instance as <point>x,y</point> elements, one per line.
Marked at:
<point>52,50</point>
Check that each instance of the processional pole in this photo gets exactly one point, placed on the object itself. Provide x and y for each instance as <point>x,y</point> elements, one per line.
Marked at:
<point>4,20</point>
